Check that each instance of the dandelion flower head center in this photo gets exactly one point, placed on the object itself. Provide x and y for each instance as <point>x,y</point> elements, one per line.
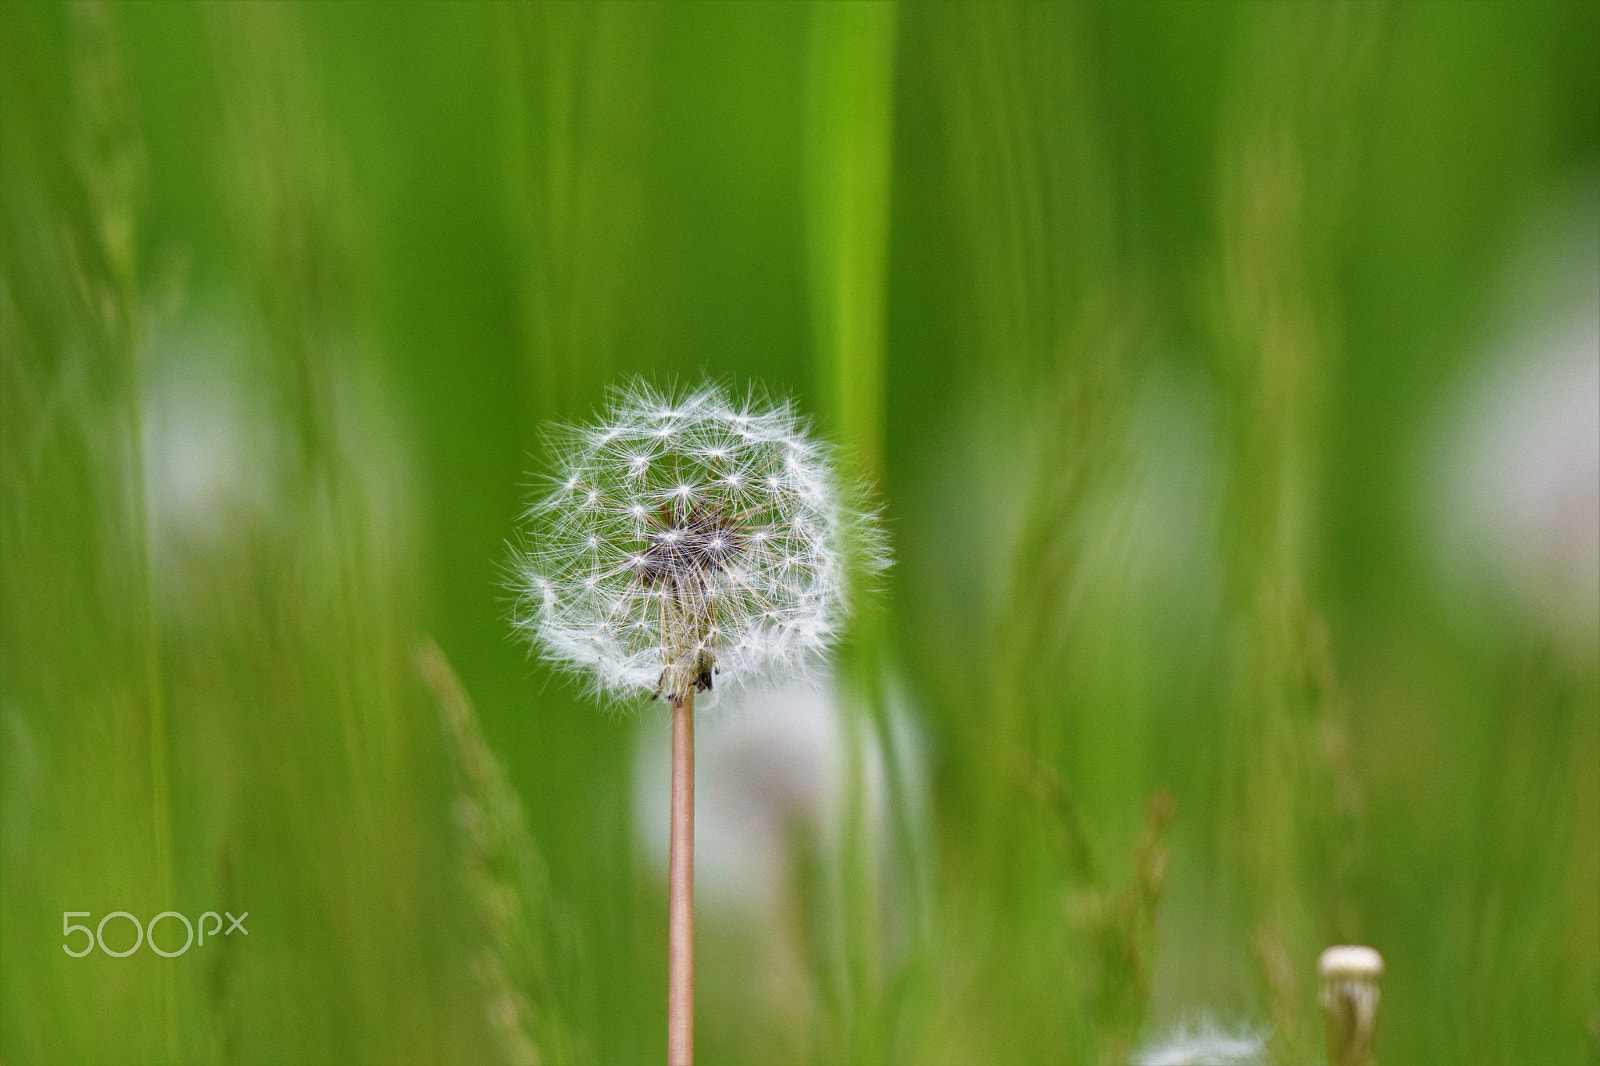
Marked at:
<point>690,548</point>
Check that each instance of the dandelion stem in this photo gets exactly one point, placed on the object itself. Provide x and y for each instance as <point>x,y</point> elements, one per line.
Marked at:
<point>680,889</point>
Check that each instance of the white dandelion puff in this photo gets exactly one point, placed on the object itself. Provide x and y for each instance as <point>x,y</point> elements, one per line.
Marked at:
<point>688,537</point>
<point>1207,1044</point>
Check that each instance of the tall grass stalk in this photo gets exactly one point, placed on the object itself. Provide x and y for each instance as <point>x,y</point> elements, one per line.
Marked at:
<point>849,140</point>
<point>1034,219</point>
<point>1275,344</point>
<point>109,155</point>
<point>527,952</point>
<point>75,536</point>
<point>313,616</point>
<point>573,100</point>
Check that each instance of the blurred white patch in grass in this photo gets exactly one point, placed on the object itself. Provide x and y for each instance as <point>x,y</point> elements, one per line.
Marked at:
<point>212,450</point>
<point>770,779</point>
<point>1515,494</point>
<point>225,471</point>
<point>1163,515</point>
<point>1205,1043</point>
<point>1153,523</point>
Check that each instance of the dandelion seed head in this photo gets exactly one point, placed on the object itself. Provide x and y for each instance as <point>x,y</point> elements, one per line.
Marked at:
<point>1207,1044</point>
<point>691,537</point>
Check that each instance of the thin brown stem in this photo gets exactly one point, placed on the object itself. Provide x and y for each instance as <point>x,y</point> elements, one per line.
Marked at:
<point>680,889</point>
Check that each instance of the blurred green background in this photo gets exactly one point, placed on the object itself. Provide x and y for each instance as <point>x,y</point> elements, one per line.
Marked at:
<point>1228,377</point>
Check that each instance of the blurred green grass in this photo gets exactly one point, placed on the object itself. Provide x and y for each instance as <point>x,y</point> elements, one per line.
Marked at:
<point>1135,314</point>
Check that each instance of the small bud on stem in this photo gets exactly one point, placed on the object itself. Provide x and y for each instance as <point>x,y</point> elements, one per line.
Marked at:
<point>1350,1003</point>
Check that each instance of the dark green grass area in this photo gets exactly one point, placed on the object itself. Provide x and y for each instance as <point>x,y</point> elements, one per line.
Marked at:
<point>1155,327</point>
